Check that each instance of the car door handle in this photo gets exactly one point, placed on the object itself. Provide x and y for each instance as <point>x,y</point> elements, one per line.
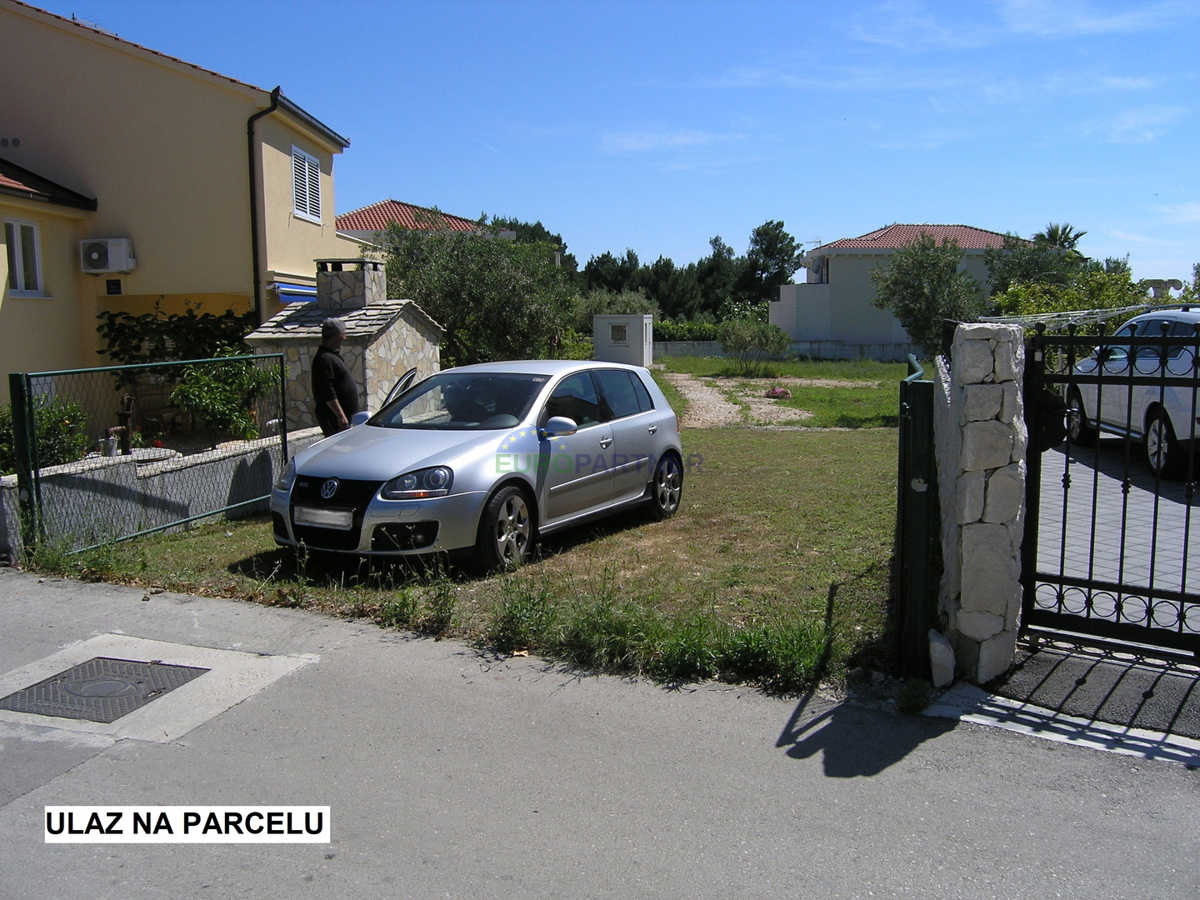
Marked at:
<point>605,443</point>
<point>653,428</point>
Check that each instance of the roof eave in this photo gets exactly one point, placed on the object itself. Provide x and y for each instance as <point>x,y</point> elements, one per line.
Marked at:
<point>313,123</point>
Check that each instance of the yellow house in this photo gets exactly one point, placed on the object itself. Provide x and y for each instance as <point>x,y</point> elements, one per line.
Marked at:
<point>129,178</point>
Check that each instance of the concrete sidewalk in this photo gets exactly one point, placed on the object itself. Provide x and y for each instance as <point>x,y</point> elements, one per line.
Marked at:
<point>452,775</point>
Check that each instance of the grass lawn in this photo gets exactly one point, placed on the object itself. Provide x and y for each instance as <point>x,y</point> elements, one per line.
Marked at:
<point>774,571</point>
<point>820,369</point>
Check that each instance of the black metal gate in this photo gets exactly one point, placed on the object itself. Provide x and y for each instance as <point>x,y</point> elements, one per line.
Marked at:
<point>1111,554</point>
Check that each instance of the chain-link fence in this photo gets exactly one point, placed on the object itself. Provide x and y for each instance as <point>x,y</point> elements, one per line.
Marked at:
<point>111,453</point>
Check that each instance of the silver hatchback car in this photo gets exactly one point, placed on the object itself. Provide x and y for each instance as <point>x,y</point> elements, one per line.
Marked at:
<point>482,460</point>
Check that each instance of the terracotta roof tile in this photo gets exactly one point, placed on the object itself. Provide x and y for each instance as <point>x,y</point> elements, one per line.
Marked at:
<point>378,216</point>
<point>893,237</point>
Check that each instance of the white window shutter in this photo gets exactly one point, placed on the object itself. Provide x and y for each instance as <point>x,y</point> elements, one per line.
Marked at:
<point>314,188</point>
<point>306,184</point>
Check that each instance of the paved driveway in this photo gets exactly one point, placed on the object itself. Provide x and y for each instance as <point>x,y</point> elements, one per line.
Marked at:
<point>1093,529</point>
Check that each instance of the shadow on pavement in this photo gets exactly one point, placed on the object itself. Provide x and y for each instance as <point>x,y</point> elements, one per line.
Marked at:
<point>856,741</point>
<point>1112,457</point>
<point>1119,688</point>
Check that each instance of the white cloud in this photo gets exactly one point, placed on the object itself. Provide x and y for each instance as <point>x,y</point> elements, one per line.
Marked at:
<point>1137,126</point>
<point>909,25</point>
<point>1059,18</point>
<point>1181,212</point>
<point>643,141</point>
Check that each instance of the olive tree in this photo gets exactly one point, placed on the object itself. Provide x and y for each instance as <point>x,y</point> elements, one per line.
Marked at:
<point>494,299</point>
<point>921,286</point>
<point>752,342</point>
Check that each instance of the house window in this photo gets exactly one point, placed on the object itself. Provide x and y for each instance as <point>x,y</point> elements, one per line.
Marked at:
<point>619,335</point>
<point>24,258</point>
<point>306,185</point>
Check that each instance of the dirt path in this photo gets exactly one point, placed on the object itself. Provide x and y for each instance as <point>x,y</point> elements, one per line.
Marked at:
<point>708,407</point>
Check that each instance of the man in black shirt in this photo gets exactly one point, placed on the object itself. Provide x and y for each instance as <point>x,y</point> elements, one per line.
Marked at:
<point>333,386</point>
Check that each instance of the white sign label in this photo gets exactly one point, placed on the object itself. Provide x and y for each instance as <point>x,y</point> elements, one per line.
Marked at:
<point>187,824</point>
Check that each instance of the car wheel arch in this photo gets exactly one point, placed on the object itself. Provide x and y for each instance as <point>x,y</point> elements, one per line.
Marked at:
<point>525,487</point>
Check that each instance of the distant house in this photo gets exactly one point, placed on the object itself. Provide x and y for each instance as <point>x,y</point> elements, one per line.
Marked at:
<point>832,313</point>
<point>363,224</point>
<point>129,178</point>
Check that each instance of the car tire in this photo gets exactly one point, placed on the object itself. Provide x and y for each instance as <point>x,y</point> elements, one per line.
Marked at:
<point>666,488</point>
<point>1163,453</point>
<point>507,532</point>
<point>1079,430</point>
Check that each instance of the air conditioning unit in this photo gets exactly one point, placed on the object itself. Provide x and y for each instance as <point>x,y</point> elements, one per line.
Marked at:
<point>100,255</point>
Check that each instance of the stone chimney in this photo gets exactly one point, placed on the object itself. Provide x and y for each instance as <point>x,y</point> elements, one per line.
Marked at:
<point>350,283</point>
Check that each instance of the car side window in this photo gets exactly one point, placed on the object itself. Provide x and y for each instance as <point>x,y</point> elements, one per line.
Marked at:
<point>1119,352</point>
<point>617,393</point>
<point>645,402</point>
<point>1180,328</point>
<point>576,398</point>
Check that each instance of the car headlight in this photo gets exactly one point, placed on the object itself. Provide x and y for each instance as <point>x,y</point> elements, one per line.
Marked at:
<point>418,485</point>
<point>287,477</point>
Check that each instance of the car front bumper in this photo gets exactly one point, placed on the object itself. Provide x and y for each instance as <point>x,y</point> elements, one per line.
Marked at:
<point>385,527</point>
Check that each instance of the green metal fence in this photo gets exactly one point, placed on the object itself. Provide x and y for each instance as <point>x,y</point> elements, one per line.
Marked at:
<point>915,566</point>
<point>112,453</point>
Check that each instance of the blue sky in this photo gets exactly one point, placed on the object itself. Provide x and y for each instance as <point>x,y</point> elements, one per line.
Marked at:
<point>657,125</point>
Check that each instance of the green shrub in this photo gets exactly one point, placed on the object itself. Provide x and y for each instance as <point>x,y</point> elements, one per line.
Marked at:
<point>666,330</point>
<point>59,427</point>
<point>220,395</point>
<point>751,343</point>
<point>158,337</point>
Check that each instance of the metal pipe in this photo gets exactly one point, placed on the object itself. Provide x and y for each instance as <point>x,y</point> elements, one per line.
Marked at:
<point>254,199</point>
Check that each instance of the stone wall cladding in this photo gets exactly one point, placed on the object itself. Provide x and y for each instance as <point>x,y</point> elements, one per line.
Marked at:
<point>980,440</point>
<point>383,341</point>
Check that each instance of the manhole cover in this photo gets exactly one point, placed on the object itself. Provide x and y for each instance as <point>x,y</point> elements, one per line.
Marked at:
<point>100,690</point>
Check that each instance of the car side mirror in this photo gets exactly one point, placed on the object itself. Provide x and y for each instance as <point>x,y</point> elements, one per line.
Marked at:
<point>558,425</point>
<point>359,417</point>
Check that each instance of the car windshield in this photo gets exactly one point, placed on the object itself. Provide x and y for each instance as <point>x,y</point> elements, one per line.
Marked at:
<point>463,401</point>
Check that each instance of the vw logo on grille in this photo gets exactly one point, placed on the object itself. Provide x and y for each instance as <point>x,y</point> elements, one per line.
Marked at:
<point>329,488</point>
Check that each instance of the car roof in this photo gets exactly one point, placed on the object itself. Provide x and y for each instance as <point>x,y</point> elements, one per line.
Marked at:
<point>1188,313</point>
<point>540,366</point>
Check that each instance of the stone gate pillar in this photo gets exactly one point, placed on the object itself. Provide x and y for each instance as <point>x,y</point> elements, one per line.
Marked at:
<point>980,438</point>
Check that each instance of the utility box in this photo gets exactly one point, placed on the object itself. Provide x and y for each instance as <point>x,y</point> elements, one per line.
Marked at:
<point>624,339</point>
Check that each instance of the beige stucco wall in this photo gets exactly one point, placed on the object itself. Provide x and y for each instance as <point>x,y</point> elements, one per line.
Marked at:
<point>53,331</point>
<point>841,309</point>
<point>162,146</point>
<point>292,243</point>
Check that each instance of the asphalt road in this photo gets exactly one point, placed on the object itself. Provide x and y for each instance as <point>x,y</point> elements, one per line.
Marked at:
<point>450,774</point>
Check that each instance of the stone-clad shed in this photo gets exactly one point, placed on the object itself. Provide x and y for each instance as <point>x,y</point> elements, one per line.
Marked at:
<point>384,338</point>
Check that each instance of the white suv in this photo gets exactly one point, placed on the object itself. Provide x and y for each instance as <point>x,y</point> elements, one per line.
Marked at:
<point>1152,396</point>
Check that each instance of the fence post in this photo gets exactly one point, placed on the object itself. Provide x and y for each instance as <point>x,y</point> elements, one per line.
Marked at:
<point>25,450</point>
<point>1035,372</point>
<point>917,525</point>
<point>283,405</point>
